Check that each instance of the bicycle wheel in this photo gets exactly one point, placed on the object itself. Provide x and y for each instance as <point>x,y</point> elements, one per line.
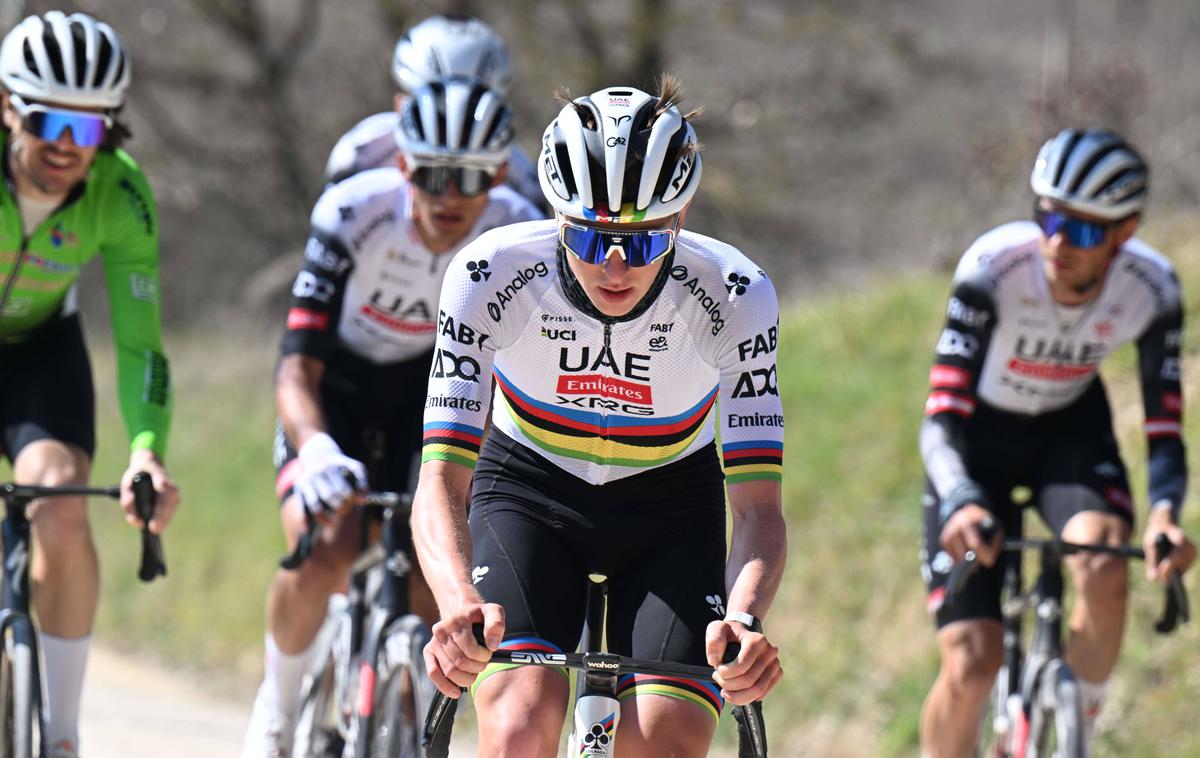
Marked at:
<point>1056,721</point>
<point>19,693</point>
<point>317,734</point>
<point>404,692</point>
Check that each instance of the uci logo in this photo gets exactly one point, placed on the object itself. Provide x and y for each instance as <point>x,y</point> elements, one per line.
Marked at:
<point>447,365</point>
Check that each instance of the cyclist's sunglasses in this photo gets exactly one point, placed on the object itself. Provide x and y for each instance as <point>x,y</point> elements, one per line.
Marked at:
<point>637,248</point>
<point>1079,233</point>
<point>436,180</point>
<point>49,124</point>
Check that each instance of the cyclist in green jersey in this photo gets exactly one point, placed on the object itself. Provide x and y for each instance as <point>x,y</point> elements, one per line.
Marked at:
<point>68,194</point>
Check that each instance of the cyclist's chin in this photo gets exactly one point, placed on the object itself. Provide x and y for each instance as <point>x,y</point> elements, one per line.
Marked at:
<point>614,301</point>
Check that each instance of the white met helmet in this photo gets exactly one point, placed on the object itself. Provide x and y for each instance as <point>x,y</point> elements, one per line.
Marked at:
<point>73,60</point>
<point>1093,171</point>
<point>443,46</point>
<point>619,155</point>
<point>456,121</point>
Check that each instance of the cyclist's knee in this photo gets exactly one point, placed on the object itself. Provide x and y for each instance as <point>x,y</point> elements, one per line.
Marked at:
<point>971,658</point>
<point>1101,577</point>
<point>653,726</point>
<point>60,528</point>
<point>51,463</point>
<point>521,712</point>
<point>325,571</point>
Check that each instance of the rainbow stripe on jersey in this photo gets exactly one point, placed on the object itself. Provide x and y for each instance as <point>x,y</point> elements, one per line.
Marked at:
<point>604,439</point>
<point>448,441</point>
<point>753,459</point>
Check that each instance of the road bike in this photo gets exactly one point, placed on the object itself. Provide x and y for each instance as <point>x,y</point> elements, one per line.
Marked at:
<point>1036,710</point>
<point>22,717</point>
<point>597,711</point>
<point>367,682</point>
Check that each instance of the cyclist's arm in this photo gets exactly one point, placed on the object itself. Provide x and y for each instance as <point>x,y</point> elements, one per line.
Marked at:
<point>311,332</point>
<point>440,533</point>
<point>1162,399</point>
<point>953,382</point>
<point>752,447</point>
<point>130,253</point>
<point>758,548</point>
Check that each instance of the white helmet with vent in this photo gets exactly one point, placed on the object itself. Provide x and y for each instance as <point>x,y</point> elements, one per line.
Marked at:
<point>1092,171</point>
<point>444,46</point>
<point>71,60</point>
<point>620,154</point>
<point>456,121</point>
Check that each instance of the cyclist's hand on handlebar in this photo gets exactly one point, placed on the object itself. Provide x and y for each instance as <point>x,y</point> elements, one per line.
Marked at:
<point>453,657</point>
<point>755,671</point>
<point>166,499</point>
<point>1182,555</point>
<point>962,533</point>
<point>331,482</point>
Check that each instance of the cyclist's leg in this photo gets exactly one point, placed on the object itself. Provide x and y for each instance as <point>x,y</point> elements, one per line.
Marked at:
<point>1085,498</point>
<point>969,642</point>
<point>296,607</point>
<point>540,583</point>
<point>659,609</point>
<point>522,560</point>
<point>48,428</point>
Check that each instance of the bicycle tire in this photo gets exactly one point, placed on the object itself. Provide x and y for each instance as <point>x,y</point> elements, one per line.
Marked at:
<point>317,734</point>
<point>19,696</point>
<point>404,691</point>
<point>1056,719</point>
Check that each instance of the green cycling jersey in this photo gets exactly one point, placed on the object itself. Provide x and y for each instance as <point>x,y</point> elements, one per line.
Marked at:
<point>111,213</point>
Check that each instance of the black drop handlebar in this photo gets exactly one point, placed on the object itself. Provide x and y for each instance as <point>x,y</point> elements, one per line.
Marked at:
<point>752,740</point>
<point>401,505</point>
<point>1176,608</point>
<point>152,563</point>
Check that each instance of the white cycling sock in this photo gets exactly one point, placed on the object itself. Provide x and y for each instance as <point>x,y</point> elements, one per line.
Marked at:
<point>1092,695</point>
<point>282,677</point>
<point>65,661</point>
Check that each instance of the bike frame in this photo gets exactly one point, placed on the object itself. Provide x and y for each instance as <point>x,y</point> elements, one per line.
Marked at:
<point>1022,681</point>
<point>368,622</point>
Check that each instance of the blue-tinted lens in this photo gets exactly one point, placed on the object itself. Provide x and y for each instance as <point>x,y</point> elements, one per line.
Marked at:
<point>1079,233</point>
<point>87,129</point>
<point>592,245</point>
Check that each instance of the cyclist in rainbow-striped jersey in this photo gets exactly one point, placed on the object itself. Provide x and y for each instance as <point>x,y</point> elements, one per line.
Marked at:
<point>618,343</point>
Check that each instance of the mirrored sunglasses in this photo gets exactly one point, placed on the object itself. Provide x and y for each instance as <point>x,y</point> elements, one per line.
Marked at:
<point>1079,233</point>
<point>636,248</point>
<point>46,123</point>
<point>436,180</point>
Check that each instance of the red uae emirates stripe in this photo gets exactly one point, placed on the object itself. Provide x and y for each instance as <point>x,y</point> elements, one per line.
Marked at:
<point>605,386</point>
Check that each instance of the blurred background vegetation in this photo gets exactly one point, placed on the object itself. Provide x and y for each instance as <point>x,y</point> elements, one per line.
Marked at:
<point>853,148</point>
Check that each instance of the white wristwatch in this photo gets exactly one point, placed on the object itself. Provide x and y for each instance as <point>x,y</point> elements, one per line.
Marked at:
<point>745,619</point>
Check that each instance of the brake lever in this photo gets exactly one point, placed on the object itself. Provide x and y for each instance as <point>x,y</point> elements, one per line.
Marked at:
<point>152,564</point>
<point>297,557</point>
<point>1176,610</point>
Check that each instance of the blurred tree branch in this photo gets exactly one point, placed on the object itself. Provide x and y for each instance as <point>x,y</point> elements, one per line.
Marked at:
<point>243,20</point>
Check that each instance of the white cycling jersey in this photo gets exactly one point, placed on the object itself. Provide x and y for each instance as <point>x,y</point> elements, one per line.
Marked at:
<point>606,398</point>
<point>1041,356</point>
<point>1008,344</point>
<point>369,285</point>
<point>371,143</point>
